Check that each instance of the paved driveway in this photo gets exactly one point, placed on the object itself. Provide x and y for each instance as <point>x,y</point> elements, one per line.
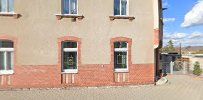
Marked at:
<point>179,88</point>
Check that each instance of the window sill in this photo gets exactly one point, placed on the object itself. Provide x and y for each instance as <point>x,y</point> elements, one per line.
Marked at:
<point>14,15</point>
<point>121,17</point>
<point>6,72</point>
<point>121,70</point>
<point>70,71</point>
<point>60,16</point>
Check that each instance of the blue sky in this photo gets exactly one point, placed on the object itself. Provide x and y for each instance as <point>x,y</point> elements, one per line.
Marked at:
<point>183,22</point>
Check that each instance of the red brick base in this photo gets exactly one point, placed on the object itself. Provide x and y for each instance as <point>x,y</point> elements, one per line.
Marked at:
<point>32,76</point>
<point>88,75</point>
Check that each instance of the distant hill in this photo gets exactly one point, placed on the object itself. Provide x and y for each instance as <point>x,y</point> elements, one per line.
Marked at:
<point>191,49</point>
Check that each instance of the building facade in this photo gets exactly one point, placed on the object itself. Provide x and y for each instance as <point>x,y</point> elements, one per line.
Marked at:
<point>62,43</point>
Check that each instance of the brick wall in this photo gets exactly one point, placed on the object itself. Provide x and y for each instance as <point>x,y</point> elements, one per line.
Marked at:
<point>88,75</point>
<point>157,38</point>
<point>142,74</point>
<point>32,76</point>
<point>104,75</point>
<point>42,76</point>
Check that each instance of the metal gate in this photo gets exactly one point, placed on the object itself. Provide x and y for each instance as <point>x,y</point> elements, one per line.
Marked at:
<point>180,67</point>
<point>176,67</point>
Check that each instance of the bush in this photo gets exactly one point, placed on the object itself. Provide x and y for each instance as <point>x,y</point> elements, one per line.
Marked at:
<point>197,70</point>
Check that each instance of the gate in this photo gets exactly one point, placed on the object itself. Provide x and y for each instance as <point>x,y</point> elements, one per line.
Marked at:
<point>180,67</point>
<point>176,67</point>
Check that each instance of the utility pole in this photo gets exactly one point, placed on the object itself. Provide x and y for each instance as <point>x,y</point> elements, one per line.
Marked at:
<point>180,50</point>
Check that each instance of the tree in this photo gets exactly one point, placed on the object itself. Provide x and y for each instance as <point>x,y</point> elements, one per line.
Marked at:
<point>169,47</point>
<point>197,70</point>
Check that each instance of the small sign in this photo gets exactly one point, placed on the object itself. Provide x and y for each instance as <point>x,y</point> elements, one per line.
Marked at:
<point>70,61</point>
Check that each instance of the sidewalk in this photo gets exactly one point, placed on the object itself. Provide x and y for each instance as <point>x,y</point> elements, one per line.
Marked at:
<point>179,87</point>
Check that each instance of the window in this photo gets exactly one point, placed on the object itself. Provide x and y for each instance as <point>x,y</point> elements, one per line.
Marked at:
<point>6,57</point>
<point>6,6</point>
<point>69,6</point>
<point>69,9</point>
<point>121,56</point>
<point>120,7</point>
<point>70,57</point>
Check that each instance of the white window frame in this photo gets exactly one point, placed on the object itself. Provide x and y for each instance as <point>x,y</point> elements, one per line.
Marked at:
<point>69,8</point>
<point>70,71</point>
<point>127,9</point>
<point>7,9</point>
<point>122,50</point>
<point>6,50</point>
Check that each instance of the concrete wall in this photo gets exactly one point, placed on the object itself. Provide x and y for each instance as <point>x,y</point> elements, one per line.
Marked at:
<point>38,30</point>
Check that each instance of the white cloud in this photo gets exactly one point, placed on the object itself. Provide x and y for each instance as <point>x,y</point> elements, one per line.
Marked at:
<point>175,36</point>
<point>196,35</point>
<point>168,20</point>
<point>187,39</point>
<point>179,35</point>
<point>194,16</point>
